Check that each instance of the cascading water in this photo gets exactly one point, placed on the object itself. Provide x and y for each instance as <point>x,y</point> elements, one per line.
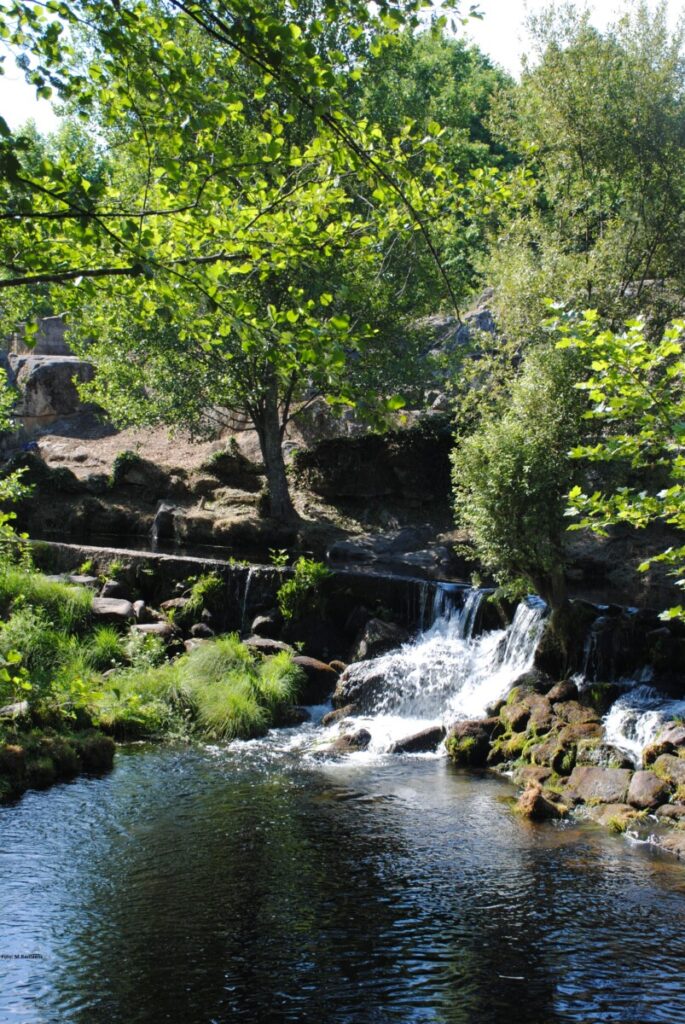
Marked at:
<point>634,720</point>
<point>446,674</point>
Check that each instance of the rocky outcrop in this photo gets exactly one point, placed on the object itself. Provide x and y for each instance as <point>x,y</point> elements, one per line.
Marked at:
<point>378,637</point>
<point>46,385</point>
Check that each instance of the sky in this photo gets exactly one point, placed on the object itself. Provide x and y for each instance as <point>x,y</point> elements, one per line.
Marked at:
<point>500,34</point>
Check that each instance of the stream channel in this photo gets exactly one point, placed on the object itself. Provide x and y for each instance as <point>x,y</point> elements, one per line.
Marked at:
<point>268,881</point>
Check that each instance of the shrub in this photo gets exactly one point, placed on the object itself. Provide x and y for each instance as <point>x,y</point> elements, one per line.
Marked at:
<point>302,592</point>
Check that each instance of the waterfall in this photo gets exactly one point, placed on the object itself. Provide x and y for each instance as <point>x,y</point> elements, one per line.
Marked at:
<point>246,593</point>
<point>446,674</point>
<point>634,720</point>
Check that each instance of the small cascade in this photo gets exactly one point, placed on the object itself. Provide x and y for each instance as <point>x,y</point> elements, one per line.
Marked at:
<point>634,720</point>
<point>446,674</point>
<point>251,572</point>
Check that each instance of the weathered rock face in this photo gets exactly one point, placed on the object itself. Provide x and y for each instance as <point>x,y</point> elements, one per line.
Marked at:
<point>534,804</point>
<point>671,769</point>
<point>422,742</point>
<point>46,384</point>
<point>379,637</point>
<point>359,684</point>
<point>320,679</point>
<point>468,742</point>
<point>646,790</point>
<point>599,785</point>
<point>110,609</point>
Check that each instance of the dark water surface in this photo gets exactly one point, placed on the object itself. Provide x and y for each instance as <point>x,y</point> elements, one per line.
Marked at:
<point>197,885</point>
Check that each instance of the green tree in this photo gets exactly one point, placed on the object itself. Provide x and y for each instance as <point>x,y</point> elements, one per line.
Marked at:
<point>512,475</point>
<point>599,119</point>
<point>636,394</point>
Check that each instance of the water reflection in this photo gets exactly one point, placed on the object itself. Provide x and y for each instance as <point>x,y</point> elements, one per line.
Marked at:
<point>198,886</point>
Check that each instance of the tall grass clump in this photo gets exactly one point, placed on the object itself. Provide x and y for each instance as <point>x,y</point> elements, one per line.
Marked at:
<point>68,607</point>
<point>219,691</point>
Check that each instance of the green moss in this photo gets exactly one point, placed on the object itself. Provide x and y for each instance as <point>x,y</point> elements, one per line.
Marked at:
<point>462,751</point>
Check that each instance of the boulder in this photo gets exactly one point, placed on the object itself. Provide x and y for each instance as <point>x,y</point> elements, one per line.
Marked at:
<point>350,742</point>
<point>379,637</point>
<point>46,384</point>
<point>116,589</point>
<point>359,684</point>
<point>599,785</point>
<point>468,743</point>
<point>669,740</point>
<point>647,790</point>
<point>266,625</point>
<point>671,812</point>
<point>174,604</point>
<point>674,844</point>
<point>164,630</point>
<point>534,804</point>
<point>142,612</point>
<point>574,713</point>
<point>616,816</point>
<point>262,645</point>
<point>84,581</point>
<point>601,755</point>
<point>423,742</point>
<point>670,768</point>
<point>110,609</point>
<point>337,716</point>
<point>19,709</point>
<point>530,773</point>
<point>201,631</point>
<point>563,691</point>
<point>320,680</point>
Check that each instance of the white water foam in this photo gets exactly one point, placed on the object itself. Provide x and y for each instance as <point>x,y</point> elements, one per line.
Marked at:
<point>446,674</point>
<point>634,720</point>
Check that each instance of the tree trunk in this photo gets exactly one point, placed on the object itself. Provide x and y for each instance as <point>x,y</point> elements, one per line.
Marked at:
<point>270,441</point>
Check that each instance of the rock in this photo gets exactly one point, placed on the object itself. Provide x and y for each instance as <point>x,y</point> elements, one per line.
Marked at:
<point>164,630</point>
<point>646,790</point>
<point>515,716</point>
<point>616,816</point>
<point>574,713</point>
<point>262,645</point>
<point>669,740</point>
<point>320,680</point>
<point>599,785</point>
<point>141,612</point>
<point>193,643</point>
<point>530,773</point>
<point>535,805</point>
<point>266,625</point>
<point>292,715</point>
<point>116,589</point>
<point>673,843</point>
<point>351,741</point>
<point>164,524</point>
<point>601,755</point>
<point>534,681</point>
<point>582,731</point>
<point>670,769</point>
<point>379,637</point>
<point>201,631</point>
<point>84,581</point>
<point>422,742</point>
<point>673,812</point>
<point>46,384</point>
<point>359,684</point>
<point>111,609</point>
<point>19,709</point>
<point>174,604</point>
<point>336,716</point>
<point>564,691</point>
<point>468,743</point>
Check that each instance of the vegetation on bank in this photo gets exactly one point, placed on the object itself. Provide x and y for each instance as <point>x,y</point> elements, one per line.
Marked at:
<point>68,684</point>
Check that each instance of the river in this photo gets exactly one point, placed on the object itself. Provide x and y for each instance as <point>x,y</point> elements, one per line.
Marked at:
<point>206,885</point>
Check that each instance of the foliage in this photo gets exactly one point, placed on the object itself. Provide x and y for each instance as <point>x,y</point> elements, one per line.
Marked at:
<point>279,557</point>
<point>67,606</point>
<point>301,593</point>
<point>511,476</point>
<point>219,689</point>
<point>636,392</point>
<point>123,462</point>
<point>598,121</point>
<point>207,592</point>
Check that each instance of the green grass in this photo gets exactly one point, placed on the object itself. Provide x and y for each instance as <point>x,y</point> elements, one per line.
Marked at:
<point>68,607</point>
<point>219,691</point>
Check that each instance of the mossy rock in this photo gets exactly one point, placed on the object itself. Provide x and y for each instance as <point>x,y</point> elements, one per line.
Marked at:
<point>40,772</point>
<point>63,755</point>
